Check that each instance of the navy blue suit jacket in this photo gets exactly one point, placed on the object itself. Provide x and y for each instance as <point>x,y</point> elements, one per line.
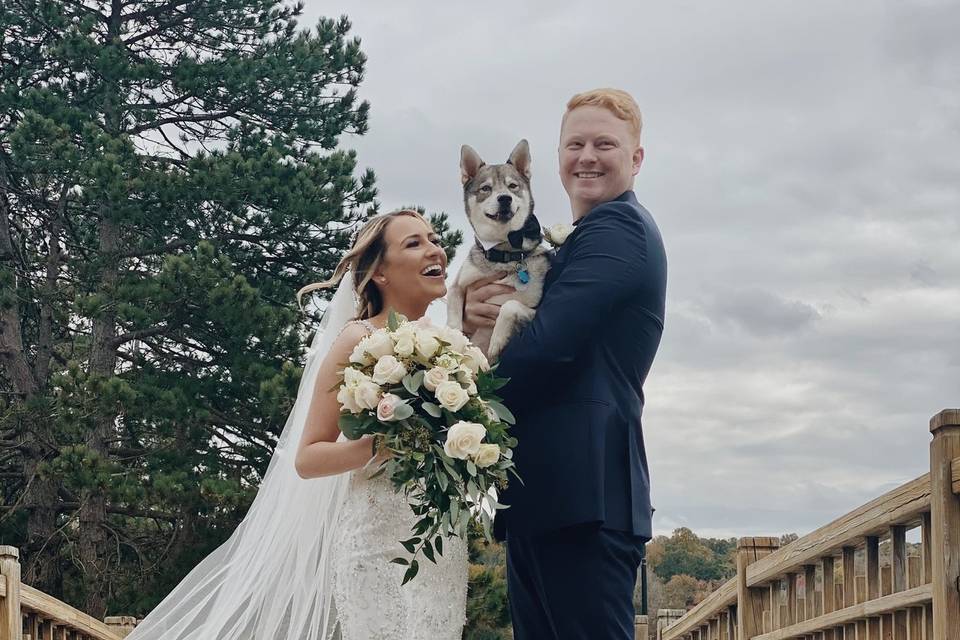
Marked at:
<point>576,379</point>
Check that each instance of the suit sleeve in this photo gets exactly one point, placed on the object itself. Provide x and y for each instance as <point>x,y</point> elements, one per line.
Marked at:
<point>602,268</point>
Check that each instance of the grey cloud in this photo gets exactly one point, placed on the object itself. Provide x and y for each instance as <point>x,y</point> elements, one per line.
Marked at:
<point>761,313</point>
<point>801,163</point>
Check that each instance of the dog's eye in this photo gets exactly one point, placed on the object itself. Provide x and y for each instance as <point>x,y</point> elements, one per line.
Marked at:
<point>486,188</point>
<point>513,186</point>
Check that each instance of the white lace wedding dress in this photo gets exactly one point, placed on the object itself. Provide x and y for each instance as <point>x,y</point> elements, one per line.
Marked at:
<point>369,600</point>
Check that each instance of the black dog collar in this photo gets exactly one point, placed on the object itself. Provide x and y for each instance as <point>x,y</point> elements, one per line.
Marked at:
<point>498,255</point>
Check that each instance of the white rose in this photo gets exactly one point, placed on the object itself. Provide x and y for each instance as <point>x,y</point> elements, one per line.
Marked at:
<point>367,394</point>
<point>388,370</point>
<point>463,440</point>
<point>472,388</point>
<point>426,343</point>
<point>353,377</point>
<point>347,401</point>
<point>434,378</point>
<point>404,346</point>
<point>360,356</point>
<point>557,234</point>
<point>475,360</point>
<point>464,375</point>
<point>372,348</point>
<point>457,341</point>
<point>388,406</point>
<point>451,395</point>
<point>487,455</point>
<point>447,361</point>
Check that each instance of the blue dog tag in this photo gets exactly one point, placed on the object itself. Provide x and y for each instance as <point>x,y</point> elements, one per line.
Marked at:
<point>524,276</point>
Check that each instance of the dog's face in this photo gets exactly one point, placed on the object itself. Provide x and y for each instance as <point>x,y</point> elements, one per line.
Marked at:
<point>497,196</point>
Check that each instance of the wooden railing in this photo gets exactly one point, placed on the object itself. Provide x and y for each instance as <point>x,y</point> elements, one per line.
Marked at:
<point>29,614</point>
<point>830,585</point>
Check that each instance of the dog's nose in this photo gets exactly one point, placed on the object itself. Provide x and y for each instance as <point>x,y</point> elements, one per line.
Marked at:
<point>505,200</point>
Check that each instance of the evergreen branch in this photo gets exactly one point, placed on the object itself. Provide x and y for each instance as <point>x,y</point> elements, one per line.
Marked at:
<point>167,248</point>
<point>154,12</point>
<point>182,119</point>
<point>138,335</point>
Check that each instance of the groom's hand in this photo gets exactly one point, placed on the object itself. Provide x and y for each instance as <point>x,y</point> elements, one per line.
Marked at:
<point>477,312</point>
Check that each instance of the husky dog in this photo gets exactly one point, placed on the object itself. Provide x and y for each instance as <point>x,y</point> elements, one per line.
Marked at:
<point>500,209</point>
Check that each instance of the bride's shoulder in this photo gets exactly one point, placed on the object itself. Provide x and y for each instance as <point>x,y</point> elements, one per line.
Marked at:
<point>352,333</point>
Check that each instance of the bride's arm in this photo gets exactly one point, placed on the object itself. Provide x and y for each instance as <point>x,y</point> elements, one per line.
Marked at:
<point>319,453</point>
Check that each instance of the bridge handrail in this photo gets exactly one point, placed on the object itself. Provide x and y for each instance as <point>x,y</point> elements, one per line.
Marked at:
<point>766,602</point>
<point>22,606</point>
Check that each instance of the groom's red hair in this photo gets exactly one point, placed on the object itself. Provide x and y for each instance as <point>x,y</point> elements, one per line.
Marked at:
<point>616,101</point>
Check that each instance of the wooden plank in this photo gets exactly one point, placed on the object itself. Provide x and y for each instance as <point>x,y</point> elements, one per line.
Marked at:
<point>829,591</point>
<point>849,577</point>
<point>926,546</point>
<point>898,558</point>
<point>873,567</point>
<point>915,623</point>
<point>792,599</point>
<point>913,571</point>
<point>809,591</point>
<point>903,505</point>
<point>886,604</point>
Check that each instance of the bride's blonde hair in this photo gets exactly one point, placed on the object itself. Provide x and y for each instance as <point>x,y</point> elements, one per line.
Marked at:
<point>363,260</point>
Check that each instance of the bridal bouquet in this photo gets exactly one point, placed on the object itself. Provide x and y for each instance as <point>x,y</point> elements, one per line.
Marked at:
<point>427,395</point>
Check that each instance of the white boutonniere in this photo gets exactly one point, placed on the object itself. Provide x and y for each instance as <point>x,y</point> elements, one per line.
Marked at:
<point>557,234</point>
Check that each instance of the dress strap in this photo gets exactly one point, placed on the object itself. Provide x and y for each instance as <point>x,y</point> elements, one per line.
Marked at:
<point>369,326</point>
<point>366,324</point>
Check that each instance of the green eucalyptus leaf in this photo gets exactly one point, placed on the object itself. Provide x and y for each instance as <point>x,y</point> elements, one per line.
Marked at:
<point>432,409</point>
<point>351,425</point>
<point>402,411</point>
<point>502,412</point>
<point>411,572</point>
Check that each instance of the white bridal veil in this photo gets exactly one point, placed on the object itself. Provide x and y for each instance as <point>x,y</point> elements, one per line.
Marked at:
<point>272,579</point>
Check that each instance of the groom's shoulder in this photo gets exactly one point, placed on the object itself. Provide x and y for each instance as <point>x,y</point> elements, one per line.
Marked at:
<point>621,215</point>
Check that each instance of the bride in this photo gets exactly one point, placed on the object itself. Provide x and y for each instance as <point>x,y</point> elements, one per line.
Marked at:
<point>311,559</point>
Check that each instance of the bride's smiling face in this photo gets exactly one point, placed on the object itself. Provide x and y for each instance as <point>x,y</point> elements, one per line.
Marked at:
<point>414,265</point>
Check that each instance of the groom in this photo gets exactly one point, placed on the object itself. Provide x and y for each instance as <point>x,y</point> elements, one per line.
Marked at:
<point>577,524</point>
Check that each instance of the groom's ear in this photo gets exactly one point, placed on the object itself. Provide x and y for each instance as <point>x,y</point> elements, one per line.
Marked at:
<point>470,163</point>
<point>520,158</point>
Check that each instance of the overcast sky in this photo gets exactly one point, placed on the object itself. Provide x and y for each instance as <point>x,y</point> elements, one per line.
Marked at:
<point>802,161</point>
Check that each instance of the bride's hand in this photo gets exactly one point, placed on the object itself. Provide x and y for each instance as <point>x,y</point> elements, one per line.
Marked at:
<point>477,312</point>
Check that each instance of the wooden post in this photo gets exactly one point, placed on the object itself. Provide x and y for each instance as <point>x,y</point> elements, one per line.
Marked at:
<point>11,624</point>
<point>945,522</point>
<point>124,625</point>
<point>665,618</point>
<point>640,628</point>
<point>809,592</point>
<point>750,600</point>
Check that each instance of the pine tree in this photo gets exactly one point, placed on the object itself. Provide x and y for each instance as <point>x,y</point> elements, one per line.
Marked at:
<point>169,177</point>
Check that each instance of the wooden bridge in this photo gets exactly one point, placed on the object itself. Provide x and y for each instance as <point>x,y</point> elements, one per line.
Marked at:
<point>828,585</point>
<point>832,585</point>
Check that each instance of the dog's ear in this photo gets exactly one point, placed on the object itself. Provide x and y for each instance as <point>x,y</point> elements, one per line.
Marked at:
<point>520,158</point>
<point>470,163</point>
